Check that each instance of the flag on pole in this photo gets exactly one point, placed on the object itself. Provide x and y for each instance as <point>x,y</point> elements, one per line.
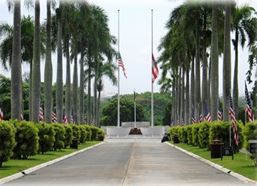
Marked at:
<point>155,70</point>
<point>220,115</point>
<point>201,118</point>
<point>233,121</point>
<point>121,64</point>
<point>21,117</point>
<point>54,118</point>
<point>248,109</point>
<point>1,115</point>
<point>41,114</point>
<point>208,117</point>
<point>65,119</point>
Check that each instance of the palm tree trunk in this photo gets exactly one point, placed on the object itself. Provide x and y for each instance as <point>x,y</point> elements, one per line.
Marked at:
<point>59,84</point>
<point>68,82</point>
<point>179,95</point>
<point>205,108</point>
<point>89,91</point>
<point>16,64</point>
<point>75,90</point>
<point>209,87</point>
<point>81,90</point>
<point>182,96</point>
<point>98,108</point>
<point>227,63</point>
<point>36,66</point>
<point>48,67</point>
<point>95,91</point>
<point>214,64</point>
<point>187,102</point>
<point>173,105</point>
<point>197,74</point>
<point>30,91</point>
<point>235,82</point>
<point>192,98</point>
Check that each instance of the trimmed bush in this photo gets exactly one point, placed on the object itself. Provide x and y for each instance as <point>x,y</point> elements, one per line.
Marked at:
<point>195,130</point>
<point>189,135</point>
<point>7,142</point>
<point>250,133</point>
<point>46,135</point>
<point>89,133</point>
<point>100,135</point>
<point>83,134</point>
<point>59,136</point>
<point>68,135</point>
<point>203,135</point>
<point>76,136</point>
<point>182,134</point>
<point>94,131</point>
<point>26,140</point>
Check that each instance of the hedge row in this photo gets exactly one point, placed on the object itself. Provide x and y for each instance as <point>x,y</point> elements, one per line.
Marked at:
<point>202,134</point>
<point>20,140</point>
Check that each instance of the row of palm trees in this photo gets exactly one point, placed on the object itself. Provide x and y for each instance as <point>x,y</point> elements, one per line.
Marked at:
<point>79,32</point>
<point>197,35</point>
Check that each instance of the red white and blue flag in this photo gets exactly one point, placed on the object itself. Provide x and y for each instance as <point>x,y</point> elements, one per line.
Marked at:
<point>1,115</point>
<point>121,64</point>
<point>248,108</point>
<point>155,71</point>
<point>232,117</point>
<point>54,118</point>
<point>41,114</point>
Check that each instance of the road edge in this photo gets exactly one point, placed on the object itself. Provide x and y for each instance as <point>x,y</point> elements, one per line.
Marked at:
<point>40,166</point>
<point>216,166</point>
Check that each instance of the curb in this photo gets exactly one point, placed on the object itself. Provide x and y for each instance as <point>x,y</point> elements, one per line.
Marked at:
<point>37,167</point>
<point>216,166</point>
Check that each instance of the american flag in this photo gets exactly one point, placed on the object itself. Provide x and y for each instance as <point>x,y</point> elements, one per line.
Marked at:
<point>233,121</point>
<point>248,109</point>
<point>121,64</point>
<point>220,115</point>
<point>21,117</point>
<point>41,114</point>
<point>208,117</point>
<point>54,118</point>
<point>1,115</point>
<point>201,118</point>
<point>155,70</point>
<point>65,119</point>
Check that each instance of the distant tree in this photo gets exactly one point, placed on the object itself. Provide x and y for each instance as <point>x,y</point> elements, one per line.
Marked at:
<point>109,115</point>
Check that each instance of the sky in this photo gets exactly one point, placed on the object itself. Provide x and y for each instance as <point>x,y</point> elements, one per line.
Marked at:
<point>135,40</point>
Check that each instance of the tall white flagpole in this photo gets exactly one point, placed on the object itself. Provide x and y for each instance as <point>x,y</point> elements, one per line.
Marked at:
<point>118,109</point>
<point>152,112</point>
<point>135,110</point>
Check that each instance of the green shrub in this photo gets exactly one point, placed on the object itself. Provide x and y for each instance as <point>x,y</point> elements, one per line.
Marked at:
<point>100,135</point>
<point>68,135</point>
<point>183,134</point>
<point>76,132</point>
<point>89,133</point>
<point>94,131</point>
<point>189,135</point>
<point>59,136</point>
<point>195,130</point>
<point>203,135</point>
<point>46,135</point>
<point>83,134</point>
<point>26,140</point>
<point>7,142</point>
<point>250,133</point>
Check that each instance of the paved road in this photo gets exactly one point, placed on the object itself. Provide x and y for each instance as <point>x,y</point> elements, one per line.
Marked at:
<point>129,162</point>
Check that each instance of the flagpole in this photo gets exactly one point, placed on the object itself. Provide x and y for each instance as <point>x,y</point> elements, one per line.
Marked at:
<point>135,110</point>
<point>118,109</point>
<point>152,112</point>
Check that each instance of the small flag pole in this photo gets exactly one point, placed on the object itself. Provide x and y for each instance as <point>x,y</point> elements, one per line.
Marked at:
<point>118,109</point>
<point>135,110</point>
<point>152,101</point>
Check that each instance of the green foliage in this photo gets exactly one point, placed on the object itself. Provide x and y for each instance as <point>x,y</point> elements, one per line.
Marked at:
<point>100,135</point>
<point>182,134</point>
<point>89,132</point>
<point>195,130</point>
<point>26,139</point>
<point>203,135</point>
<point>59,136</point>
<point>76,132</point>
<point>46,135</point>
<point>83,133</point>
<point>250,133</point>
<point>68,135</point>
<point>109,115</point>
<point>94,131</point>
<point>7,142</point>
<point>189,135</point>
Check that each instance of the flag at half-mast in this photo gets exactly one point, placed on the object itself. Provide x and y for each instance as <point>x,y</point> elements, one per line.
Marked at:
<point>248,109</point>
<point>121,64</point>
<point>155,70</point>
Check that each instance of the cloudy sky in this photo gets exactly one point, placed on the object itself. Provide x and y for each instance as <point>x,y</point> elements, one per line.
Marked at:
<point>135,39</point>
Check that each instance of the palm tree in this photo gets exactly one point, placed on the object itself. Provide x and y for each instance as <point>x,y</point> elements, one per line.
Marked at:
<point>227,62</point>
<point>48,67</point>
<point>244,25</point>
<point>59,81</point>
<point>36,66</point>
<point>16,64</point>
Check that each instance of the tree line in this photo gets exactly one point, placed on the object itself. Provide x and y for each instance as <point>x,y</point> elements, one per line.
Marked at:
<point>74,29</point>
<point>198,34</point>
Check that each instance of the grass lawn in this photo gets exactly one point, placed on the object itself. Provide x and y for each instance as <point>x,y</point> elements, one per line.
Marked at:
<point>241,164</point>
<point>13,166</point>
